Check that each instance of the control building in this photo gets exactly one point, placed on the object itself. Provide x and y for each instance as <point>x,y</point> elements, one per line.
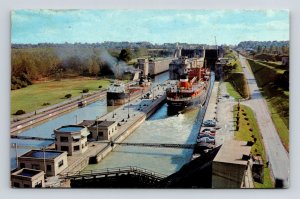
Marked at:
<point>51,162</point>
<point>72,139</point>
<point>28,178</point>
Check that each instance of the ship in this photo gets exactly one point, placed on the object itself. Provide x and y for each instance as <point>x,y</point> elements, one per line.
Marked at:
<point>119,93</point>
<point>190,90</point>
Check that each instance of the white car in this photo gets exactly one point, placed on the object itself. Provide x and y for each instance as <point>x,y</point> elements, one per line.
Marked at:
<point>206,140</point>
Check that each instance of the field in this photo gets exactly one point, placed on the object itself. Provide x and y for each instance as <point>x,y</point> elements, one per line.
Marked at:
<point>275,90</point>
<point>248,121</point>
<point>33,97</point>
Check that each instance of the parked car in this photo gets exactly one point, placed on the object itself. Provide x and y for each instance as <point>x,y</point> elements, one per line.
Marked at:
<point>213,134</point>
<point>206,140</point>
<point>205,135</point>
<point>209,123</point>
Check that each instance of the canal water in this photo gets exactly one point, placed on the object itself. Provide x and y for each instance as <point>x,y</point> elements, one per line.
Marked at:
<point>159,128</point>
<point>45,129</point>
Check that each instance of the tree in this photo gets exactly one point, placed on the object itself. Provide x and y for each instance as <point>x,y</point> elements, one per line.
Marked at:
<point>125,55</point>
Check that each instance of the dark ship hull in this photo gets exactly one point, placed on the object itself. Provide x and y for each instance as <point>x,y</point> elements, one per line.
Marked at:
<point>117,98</point>
<point>181,106</point>
<point>123,98</point>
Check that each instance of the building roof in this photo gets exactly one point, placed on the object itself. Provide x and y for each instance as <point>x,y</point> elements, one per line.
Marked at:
<point>25,172</point>
<point>232,151</point>
<point>39,154</point>
<point>87,123</point>
<point>104,123</point>
<point>70,129</point>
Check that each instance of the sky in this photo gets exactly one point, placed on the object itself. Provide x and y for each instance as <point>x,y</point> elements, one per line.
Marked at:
<point>155,26</point>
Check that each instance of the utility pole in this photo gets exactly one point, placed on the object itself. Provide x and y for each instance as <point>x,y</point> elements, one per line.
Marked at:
<point>76,119</point>
<point>113,109</point>
<point>97,117</point>
<point>128,106</point>
<point>45,168</point>
<point>16,150</point>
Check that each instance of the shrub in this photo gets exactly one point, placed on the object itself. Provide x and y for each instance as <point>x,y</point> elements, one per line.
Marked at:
<point>85,90</point>
<point>68,95</point>
<point>100,86</point>
<point>46,104</point>
<point>20,112</point>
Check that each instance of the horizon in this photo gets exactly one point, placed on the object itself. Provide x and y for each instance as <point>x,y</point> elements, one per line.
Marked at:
<point>155,26</point>
<point>148,42</point>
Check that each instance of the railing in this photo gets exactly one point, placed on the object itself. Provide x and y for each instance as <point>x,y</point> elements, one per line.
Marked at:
<point>179,99</point>
<point>114,171</point>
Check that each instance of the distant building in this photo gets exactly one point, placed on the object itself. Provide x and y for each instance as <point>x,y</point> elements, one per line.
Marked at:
<point>51,162</point>
<point>28,178</point>
<point>285,60</point>
<point>71,138</point>
<point>103,130</point>
<point>231,164</point>
<point>143,64</point>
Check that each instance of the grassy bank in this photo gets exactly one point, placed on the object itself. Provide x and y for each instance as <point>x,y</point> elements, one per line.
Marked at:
<point>275,90</point>
<point>33,97</point>
<point>236,83</point>
<point>231,91</point>
<point>248,121</point>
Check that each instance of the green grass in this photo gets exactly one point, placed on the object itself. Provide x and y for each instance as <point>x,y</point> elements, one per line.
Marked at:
<point>32,97</point>
<point>245,134</point>
<point>231,91</point>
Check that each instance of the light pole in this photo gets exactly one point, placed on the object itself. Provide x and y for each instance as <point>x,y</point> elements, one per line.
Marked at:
<point>97,117</point>
<point>128,107</point>
<point>44,148</point>
<point>113,109</point>
<point>16,150</point>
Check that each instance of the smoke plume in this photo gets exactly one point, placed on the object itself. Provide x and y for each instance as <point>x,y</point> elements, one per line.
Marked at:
<point>116,66</point>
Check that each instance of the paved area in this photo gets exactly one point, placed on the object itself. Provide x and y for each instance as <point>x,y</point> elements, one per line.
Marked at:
<point>225,116</point>
<point>277,155</point>
<point>220,108</point>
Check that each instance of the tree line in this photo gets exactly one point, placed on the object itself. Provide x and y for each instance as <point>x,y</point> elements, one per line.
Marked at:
<point>30,64</point>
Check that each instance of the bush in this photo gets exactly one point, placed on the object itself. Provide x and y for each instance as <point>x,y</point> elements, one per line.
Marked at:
<point>20,112</point>
<point>46,104</point>
<point>68,95</point>
<point>85,90</point>
<point>100,86</point>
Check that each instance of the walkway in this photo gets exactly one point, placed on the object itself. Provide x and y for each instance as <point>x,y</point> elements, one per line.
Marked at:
<point>276,153</point>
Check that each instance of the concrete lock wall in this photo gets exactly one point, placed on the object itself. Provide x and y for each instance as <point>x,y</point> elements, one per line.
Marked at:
<point>226,175</point>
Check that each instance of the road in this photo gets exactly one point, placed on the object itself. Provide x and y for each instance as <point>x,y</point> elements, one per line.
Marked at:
<point>277,155</point>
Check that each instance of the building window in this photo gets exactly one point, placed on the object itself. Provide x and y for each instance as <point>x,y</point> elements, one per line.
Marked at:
<point>82,146</point>
<point>35,166</point>
<point>22,165</point>
<point>85,143</point>
<point>64,148</point>
<point>64,139</point>
<point>100,133</point>
<point>39,184</point>
<point>49,168</point>
<point>26,186</point>
<point>16,184</point>
<point>76,148</point>
<point>60,163</point>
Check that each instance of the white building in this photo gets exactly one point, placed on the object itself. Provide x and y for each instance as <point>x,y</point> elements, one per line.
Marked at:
<point>28,178</point>
<point>71,138</point>
<point>51,162</point>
